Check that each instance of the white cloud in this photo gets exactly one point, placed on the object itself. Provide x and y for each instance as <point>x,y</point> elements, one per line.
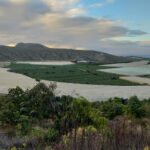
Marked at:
<point>62,23</point>
<point>60,5</point>
<point>75,12</point>
<point>18,1</point>
<point>105,3</point>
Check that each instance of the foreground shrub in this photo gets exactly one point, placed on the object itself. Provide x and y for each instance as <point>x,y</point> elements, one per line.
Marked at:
<point>82,125</point>
<point>135,108</point>
<point>51,136</point>
<point>24,125</point>
<point>122,134</point>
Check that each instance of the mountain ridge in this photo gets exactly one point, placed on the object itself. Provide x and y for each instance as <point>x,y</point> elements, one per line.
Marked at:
<point>39,52</point>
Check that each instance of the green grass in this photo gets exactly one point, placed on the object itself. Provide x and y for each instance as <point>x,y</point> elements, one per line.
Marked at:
<point>77,73</point>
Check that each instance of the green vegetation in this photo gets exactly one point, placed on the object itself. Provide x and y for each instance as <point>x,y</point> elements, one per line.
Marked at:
<point>147,76</point>
<point>42,120</point>
<point>78,73</point>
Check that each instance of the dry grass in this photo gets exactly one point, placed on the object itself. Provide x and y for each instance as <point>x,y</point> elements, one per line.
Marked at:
<point>122,135</point>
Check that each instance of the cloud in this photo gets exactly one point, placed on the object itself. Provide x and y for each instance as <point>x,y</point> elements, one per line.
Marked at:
<point>75,12</point>
<point>60,5</point>
<point>126,48</point>
<point>63,23</point>
<point>17,1</point>
<point>101,4</point>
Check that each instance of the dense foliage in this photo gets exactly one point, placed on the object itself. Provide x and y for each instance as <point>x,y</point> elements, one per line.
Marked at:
<point>70,73</point>
<point>67,122</point>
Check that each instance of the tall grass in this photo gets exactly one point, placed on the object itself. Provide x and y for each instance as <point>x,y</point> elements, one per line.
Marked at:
<point>122,134</point>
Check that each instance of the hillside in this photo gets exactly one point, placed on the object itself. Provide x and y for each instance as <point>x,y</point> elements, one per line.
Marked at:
<point>38,52</point>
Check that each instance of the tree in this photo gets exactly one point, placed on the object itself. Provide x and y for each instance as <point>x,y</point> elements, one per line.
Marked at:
<point>42,101</point>
<point>135,108</point>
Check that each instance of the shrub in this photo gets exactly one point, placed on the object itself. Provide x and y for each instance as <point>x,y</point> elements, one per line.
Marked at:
<point>51,136</point>
<point>23,125</point>
<point>135,108</point>
<point>112,109</point>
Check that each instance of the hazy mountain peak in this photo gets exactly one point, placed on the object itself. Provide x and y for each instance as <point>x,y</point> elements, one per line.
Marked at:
<point>29,45</point>
<point>38,52</point>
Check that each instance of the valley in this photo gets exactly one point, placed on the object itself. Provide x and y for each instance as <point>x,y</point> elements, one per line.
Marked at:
<point>69,77</point>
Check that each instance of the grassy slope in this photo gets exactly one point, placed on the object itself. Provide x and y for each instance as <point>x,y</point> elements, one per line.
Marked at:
<point>78,73</point>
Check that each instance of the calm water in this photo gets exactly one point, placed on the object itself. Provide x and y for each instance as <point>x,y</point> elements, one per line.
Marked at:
<point>58,63</point>
<point>142,70</point>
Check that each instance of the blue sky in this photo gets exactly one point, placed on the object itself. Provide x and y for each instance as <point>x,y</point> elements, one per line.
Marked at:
<point>135,13</point>
<point>120,27</point>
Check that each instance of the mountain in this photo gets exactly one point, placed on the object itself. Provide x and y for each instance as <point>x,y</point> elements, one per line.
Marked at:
<point>38,52</point>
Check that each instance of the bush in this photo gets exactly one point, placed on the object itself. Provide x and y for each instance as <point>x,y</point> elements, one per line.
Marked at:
<point>51,136</point>
<point>23,125</point>
<point>112,108</point>
<point>135,108</point>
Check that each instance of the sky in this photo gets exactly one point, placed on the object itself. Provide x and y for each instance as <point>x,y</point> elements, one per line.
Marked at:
<point>120,27</point>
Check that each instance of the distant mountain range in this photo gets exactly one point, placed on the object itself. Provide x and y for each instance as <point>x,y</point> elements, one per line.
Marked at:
<point>38,52</point>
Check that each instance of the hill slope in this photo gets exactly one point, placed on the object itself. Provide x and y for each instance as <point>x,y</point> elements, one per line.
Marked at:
<point>38,52</point>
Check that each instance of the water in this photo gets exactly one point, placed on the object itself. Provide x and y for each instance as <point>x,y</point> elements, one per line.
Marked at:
<point>131,71</point>
<point>91,92</point>
<point>58,63</point>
